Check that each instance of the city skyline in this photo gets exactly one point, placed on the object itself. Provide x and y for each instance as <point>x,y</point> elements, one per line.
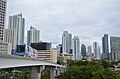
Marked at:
<point>86,15</point>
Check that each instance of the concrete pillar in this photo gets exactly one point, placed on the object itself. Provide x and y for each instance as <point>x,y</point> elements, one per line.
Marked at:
<point>35,72</point>
<point>53,73</point>
<point>58,71</point>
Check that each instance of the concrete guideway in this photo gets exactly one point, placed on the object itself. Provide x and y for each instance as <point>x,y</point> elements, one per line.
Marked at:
<point>8,61</point>
<point>33,65</point>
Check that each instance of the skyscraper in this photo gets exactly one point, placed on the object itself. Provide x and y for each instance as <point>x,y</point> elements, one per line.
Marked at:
<point>96,50</point>
<point>76,48</point>
<point>66,42</point>
<point>33,35</point>
<point>115,48</point>
<point>2,18</point>
<point>17,22</point>
<point>105,47</point>
<point>10,37</point>
<point>83,51</point>
<point>89,52</point>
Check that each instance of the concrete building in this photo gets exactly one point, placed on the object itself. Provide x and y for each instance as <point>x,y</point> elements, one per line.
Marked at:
<point>33,36</point>
<point>105,47</point>
<point>59,48</point>
<point>41,45</point>
<point>17,22</point>
<point>5,48</point>
<point>2,18</point>
<point>89,52</point>
<point>66,42</point>
<point>76,48</point>
<point>115,48</point>
<point>83,51</point>
<point>96,50</point>
<point>10,37</point>
<point>49,55</point>
<point>64,58</point>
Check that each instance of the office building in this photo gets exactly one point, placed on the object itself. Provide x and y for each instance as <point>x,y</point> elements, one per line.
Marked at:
<point>10,37</point>
<point>115,48</point>
<point>2,18</point>
<point>41,45</point>
<point>48,55</point>
<point>67,42</point>
<point>59,48</point>
<point>17,22</point>
<point>89,52</point>
<point>83,51</point>
<point>76,48</point>
<point>96,50</point>
<point>105,47</point>
<point>33,36</point>
<point>5,48</point>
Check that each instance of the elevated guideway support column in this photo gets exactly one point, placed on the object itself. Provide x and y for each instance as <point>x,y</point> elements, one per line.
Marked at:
<point>53,72</point>
<point>35,72</point>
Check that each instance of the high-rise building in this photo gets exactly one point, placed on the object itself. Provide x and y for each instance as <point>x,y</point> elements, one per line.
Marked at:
<point>33,35</point>
<point>59,48</point>
<point>115,48</point>
<point>83,51</point>
<point>76,48</point>
<point>66,42</point>
<point>17,22</point>
<point>105,47</point>
<point>10,37</point>
<point>96,50</point>
<point>2,18</point>
<point>89,52</point>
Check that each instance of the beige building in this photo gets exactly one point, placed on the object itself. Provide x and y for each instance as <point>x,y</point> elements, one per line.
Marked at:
<point>49,55</point>
<point>63,58</point>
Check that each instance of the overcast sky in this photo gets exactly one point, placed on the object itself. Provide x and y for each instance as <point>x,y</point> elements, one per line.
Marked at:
<point>88,19</point>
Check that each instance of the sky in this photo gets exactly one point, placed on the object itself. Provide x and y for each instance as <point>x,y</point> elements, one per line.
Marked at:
<point>88,19</point>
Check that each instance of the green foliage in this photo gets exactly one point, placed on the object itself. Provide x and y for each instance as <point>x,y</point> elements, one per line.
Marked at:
<point>89,70</point>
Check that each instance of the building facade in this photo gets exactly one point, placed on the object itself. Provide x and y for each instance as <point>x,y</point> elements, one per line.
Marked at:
<point>17,22</point>
<point>5,48</point>
<point>59,48</point>
<point>33,36</point>
<point>41,45</point>
<point>96,50</point>
<point>83,51</point>
<point>2,18</point>
<point>115,48</point>
<point>76,48</point>
<point>66,42</point>
<point>89,52</point>
<point>10,37</point>
<point>48,55</point>
<point>105,47</point>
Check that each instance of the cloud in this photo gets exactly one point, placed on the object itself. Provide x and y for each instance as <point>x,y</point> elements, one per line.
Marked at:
<point>89,19</point>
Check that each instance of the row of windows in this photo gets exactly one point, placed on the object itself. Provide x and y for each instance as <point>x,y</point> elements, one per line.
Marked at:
<point>2,2</point>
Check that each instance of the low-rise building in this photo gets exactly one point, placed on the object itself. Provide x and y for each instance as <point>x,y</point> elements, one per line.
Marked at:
<point>5,48</point>
<point>49,55</point>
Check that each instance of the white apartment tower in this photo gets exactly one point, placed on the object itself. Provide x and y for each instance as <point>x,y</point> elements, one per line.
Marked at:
<point>17,22</point>
<point>33,35</point>
<point>76,48</point>
<point>10,37</point>
<point>2,18</point>
<point>66,42</point>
